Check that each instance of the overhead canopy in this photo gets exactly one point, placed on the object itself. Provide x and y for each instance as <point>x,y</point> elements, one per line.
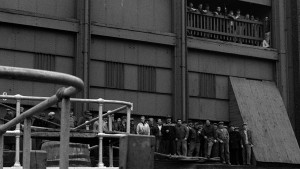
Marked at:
<point>259,104</point>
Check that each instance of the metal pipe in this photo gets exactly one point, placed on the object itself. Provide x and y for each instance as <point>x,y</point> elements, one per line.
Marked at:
<point>85,52</point>
<point>38,108</point>
<point>1,150</point>
<point>27,143</point>
<point>7,72</point>
<point>183,58</point>
<point>100,128</point>
<point>64,134</point>
<point>111,135</point>
<point>128,120</point>
<point>111,156</point>
<point>17,155</point>
<point>97,118</point>
<point>34,98</point>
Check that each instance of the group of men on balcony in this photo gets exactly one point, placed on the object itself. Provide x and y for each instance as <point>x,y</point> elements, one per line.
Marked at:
<point>239,29</point>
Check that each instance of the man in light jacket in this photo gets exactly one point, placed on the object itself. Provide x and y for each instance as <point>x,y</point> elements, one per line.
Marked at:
<point>143,128</point>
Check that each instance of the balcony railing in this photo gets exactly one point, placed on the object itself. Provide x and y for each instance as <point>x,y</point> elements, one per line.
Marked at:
<point>225,29</point>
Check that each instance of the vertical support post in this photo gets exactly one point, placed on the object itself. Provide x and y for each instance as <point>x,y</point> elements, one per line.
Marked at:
<point>100,128</point>
<point>64,134</point>
<point>27,143</point>
<point>1,150</point>
<point>128,120</point>
<point>111,155</point>
<point>17,157</point>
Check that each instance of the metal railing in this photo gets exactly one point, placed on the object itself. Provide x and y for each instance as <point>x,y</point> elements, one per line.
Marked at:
<point>225,29</point>
<point>63,95</point>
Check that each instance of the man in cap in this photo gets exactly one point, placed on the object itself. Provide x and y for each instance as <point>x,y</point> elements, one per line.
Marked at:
<point>53,119</point>
<point>87,116</point>
<point>132,126</point>
<point>209,135</point>
<point>247,144</point>
<point>235,145</point>
<point>182,134</point>
<point>223,138</point>
<point>168,137</point>
<point>158,135</point>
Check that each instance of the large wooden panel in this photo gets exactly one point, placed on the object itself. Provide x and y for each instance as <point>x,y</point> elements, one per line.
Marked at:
<point>261,106</point>
<point>222,87</point>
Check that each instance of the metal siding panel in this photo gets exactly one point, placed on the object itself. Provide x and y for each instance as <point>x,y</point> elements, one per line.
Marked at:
<point>130,14</point>
<point>28,5</point>
<point>96,94</point>
<point>98,12</point>
<point>43,89</point>
<point>147,55</point>
<point>97,73</point>
<point>146,14</point>
<point>221,110</point>
<point>25,60</point>
<point>163,15</point>
<point>11,4</point>
<point>163,105</point>
<point>193,61</point>
<point>259,69</point>
<point>133,98</point>
<point>114,51</point>
<point>111,94</point>
<point>44,42</point>
<point>25,39</point>
<point>66,9</point>
<point>8,37</point>
<point>65,44</point>
<point>48,7</point>
<point>147,103</point>
<point>207,109</point>
<point>7,57</point>
<point>237,67</point>
<point>131,77</point>
<point>114,12</point>
<point>98,49</point>
<point>193,84</point>
<point>131,52</point>
<point>163,81</point>
<point>163,56</point>
<point>64,65</point>
<point>194,108</point>
<point>222,87</point>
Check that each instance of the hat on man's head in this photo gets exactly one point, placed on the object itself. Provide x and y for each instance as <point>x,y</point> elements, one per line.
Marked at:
<point>8,109</point>
<point>168,117</point>
<point>221,123</point>
<point>51,113</point>
<point>245,124</point>
<point>131,119</point>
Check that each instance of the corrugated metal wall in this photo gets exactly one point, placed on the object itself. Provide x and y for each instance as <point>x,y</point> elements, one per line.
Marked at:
<point>131,54</point>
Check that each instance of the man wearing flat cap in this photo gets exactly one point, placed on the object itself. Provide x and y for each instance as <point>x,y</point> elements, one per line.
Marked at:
<point>223,138</point>
<point>247,144</point>
<point>52,118</point>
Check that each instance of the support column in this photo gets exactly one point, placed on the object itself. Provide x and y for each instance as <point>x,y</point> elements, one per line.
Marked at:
<point>82,51</point>
<point>27,143</point>
<point>18,130</point>
<point>64,134</point>
<point>180,98</point>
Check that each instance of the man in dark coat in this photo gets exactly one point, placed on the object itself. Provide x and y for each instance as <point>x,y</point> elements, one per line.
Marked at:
<point>192,139</point>
<point>209,135</point>
<point>182,134</point>
<point>235,145</point>
<point>247,144</point>
<point>53,119</point>
<point>168,137</point>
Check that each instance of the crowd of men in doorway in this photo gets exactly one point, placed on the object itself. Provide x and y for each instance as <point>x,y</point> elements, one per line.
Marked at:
<point>234,15</point>
<point>195,139</point>
<point>192,139</point>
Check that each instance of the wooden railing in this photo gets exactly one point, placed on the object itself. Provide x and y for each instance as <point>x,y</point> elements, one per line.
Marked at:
<point>225,29</point>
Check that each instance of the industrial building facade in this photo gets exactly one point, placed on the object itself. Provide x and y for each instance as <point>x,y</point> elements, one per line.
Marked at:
<point>148,52</point>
